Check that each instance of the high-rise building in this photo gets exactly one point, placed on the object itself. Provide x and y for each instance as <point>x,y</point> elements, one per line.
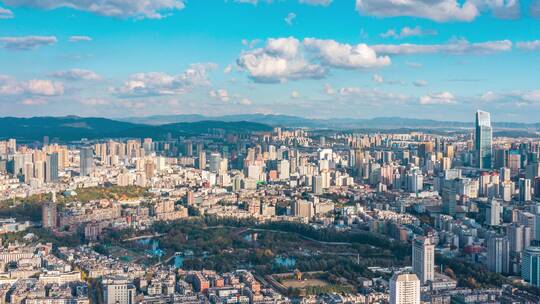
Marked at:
<point>448,196</point>
<point>215,162</point>
<point>86,160</point>
<point>48,213</point>
<point>201,162</point>
<point>423,259</point>
<point>317,184</point>
<point>530,266</point>
<point>483,138</point>
<point>493,213</point>
<point>498,258</point>
<point>524,189</point>
<point>51,168</point>
<point>404,289</point>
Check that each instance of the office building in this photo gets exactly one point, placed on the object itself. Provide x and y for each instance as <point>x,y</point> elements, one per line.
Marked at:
<point>51,168</point>
<point>530,267</point>
<point>524,190</point>
<point>86,161</point>
<point>404,289</point>
<point>423,259</point>
<point>483,139</point>
<point>498,257</point>
<point>48,213</point>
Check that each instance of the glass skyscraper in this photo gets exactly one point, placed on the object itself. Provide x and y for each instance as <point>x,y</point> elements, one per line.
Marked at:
<point>483,137</point>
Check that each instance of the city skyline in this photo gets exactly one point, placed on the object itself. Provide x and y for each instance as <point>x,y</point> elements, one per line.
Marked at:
<point>308,58</point>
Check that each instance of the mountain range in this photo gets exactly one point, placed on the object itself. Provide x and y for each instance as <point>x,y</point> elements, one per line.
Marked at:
<point>334,123</point>
<point>70,128</point>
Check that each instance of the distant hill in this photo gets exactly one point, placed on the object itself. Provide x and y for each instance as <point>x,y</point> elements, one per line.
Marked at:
<point>75,128</point>
<point>336,123</point>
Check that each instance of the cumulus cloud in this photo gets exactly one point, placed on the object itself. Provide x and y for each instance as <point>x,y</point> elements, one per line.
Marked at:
<point>454,47</point>
<point>420,83</point>
<point>245,101</point>
<point>346,56</point>
<point>76,74</point>
<point>534,9</point>
<point>438,10</point>
<point>329,90</point>
<point>529,45</point>
<point>95,102</point>
<point>407,32</point>
<point>515,97</point>
<point>160,84</point>
<point>26,42</point>
<point>228,69</point>
<point>9,86</point>
<point>5,13</point>
<point>378,78</point>
<point>316,2</point>
<point>79,38</point>
<point>438,98</point>
<point>290,18</point>
<point>373,96</point>
<point>295,94</point>
<point>220,94</point>
<point>280,60</point>
<point>34,101</point>
<point>155,9</point>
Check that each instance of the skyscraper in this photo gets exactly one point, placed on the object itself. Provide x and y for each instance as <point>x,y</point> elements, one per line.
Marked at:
<point>423,259</point>
<point>530,267</point>
<point>483,137</point>
<point>498,258</point>
<point>48,213</point>
<point>51,168</point>
<point>404,289</point>
<point>86,161</point>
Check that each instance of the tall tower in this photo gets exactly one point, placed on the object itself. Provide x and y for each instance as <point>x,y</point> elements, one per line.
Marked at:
<point>404,289</point>
<point>86,160</point>
<point>482,139</point>
<point>48,213</point>
<point>423,259</point>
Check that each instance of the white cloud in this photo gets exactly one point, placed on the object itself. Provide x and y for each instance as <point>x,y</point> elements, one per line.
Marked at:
<point>316,2</point>
<point>329,90</point>
<point>378,78</point>
<point>154,9</point>
<point>455,47</point>
<point>79,38</point>
<point>529,45</point>
<point>516,97</point>
<point>438,98</point>
<point>420,83</point>
<point>295,94</point>
<point>34,102</point>
<point>95,102</point>
<point>44,87</point>
<point>280,60</point>
<point>534,9</point>
<point>26,42</point>
<point>438,10</point>
<point>290,18</point>
<point>346,56</point>
<point>408,32</point>
<point>158,84</point>
<point>220,94</point>
<point>228,69</point>
<point>5,13</point>
<point>77,74</point>
<point>373,96</point>
<point>9,86</point>
<point>245,101</point>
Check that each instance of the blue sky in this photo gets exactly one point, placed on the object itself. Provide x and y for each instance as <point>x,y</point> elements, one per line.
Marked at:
<point>439,59</point>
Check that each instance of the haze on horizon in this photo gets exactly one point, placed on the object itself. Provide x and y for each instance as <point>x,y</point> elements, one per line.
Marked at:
<point>308,58</point>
